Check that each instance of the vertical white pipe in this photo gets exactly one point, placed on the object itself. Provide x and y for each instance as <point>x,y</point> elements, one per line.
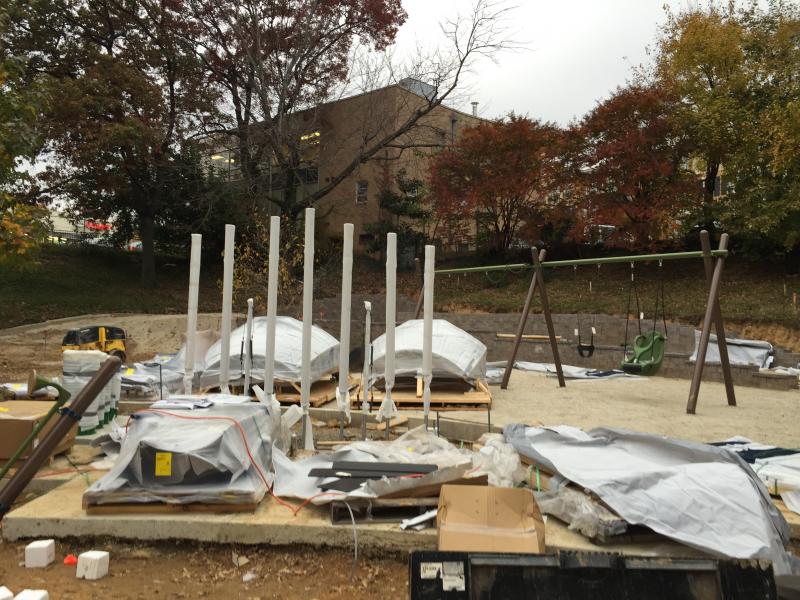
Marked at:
<point>365,373</point>
<point>388,410</point>
<point>191,315</point>
<point>343,393</point>
<point>227,298</point>
<point>248,346</point>
<point>308,299</point>
<point>427,328</point>
<point>272,304</point>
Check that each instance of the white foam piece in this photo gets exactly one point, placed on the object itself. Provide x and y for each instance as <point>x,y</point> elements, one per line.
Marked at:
<point>32,595</point>
<point>92,565</point>
<point>40,553</point>
<point>5,593</point>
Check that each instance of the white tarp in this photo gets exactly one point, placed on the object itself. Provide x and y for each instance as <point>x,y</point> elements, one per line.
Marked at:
<point>754,353</point>
<point>288,346</point>
<point>456,354</point>
<point>700,495</point>
<point>571,372</point>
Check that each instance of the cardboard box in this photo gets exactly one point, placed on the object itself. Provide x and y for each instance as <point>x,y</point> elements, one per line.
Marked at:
<point>17,420</point>
<point>489,519</point>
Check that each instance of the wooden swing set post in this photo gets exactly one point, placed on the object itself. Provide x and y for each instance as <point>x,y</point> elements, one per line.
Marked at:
<point>537,279</point>
<point>713,314</point>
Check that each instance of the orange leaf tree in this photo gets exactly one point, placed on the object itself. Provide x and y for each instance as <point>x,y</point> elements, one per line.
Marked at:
<point>627,171</point>
<point>500,175</point>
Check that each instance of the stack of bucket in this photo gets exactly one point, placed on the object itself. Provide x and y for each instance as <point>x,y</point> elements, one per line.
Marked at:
<point>78,367</point>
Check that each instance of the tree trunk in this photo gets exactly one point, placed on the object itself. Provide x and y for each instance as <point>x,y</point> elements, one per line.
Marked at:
<point>709,183</point>
<point>147,234</point>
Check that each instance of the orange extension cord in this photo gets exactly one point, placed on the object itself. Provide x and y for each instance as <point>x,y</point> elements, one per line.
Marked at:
<point>282,502</point>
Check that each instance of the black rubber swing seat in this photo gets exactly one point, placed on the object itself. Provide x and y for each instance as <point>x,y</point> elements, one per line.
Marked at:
<point>648,353</point>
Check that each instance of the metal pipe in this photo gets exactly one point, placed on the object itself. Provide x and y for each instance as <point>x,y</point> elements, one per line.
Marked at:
<point>69,416</point>
<point>272,304</point>
<point>227,299</point>
<point>427,330</point>
<point>343,391</point>
<point>586,261</point>
<point>191,314</point>
<point>248,347</point>
<point>387,410</point>
<point>365,374</point>
<point>308,302</point>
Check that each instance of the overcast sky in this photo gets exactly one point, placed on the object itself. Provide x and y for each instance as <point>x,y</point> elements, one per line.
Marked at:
<point>579,51</point>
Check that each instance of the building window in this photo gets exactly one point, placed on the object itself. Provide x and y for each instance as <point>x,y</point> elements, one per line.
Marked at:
<point>362,187</point>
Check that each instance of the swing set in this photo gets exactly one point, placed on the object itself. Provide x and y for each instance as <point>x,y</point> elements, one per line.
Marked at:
<point>647,350</point>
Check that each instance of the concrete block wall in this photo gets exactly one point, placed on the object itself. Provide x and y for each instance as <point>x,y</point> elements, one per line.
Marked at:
<point>608,339</point>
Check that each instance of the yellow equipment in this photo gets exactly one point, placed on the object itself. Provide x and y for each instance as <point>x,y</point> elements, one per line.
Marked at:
<point>110,340</point>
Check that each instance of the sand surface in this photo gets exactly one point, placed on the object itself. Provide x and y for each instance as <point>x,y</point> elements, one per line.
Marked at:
<point>654,404</point>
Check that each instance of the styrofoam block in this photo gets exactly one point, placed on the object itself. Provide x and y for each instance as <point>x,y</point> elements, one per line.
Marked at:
<point>32,595</point>
<point>92,564</point>
<point>5,593</point>
<point>40,553</point>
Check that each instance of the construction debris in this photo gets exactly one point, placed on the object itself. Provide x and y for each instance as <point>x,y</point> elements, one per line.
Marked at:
<point>92,565</point>
<point>40,554</point>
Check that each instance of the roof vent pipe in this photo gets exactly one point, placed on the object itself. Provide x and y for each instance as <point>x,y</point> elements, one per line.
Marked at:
<point>474,109</point>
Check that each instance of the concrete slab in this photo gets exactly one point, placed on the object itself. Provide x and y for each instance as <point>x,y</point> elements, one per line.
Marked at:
<point>58,514</point>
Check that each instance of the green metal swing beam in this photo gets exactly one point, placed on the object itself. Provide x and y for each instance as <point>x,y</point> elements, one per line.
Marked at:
<point>713,313</point>
<point>586,261</point>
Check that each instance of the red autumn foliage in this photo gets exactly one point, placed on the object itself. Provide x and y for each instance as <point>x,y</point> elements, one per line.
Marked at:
<point>499,174</point>
<point>627,169</point>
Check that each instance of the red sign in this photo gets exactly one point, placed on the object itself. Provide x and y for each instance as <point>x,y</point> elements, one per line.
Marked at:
<point>97,226</point>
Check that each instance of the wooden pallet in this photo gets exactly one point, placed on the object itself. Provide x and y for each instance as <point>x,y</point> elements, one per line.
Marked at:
<point>322,391</point>
<point>110,503</point>
<point>445,396</point>
<point>163,508</point>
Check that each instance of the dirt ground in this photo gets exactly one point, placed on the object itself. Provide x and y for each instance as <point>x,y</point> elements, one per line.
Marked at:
<point>184,570</point>
<point>39,345</point>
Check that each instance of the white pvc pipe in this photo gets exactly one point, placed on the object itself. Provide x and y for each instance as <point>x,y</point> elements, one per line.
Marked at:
<point>308,299</point>
<point>272,304</point>
<point>191,314</point>
<point>227,298</point>
<point>343,395</point>
<point>248,347</point>
<point>388,410</point>
<point>365,373</point>
<point>427,328</point>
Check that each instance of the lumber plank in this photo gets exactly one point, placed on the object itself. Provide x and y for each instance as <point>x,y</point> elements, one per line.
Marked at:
<point>166,508</point>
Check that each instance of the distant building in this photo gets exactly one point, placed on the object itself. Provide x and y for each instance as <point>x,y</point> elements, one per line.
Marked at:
<point>331,135</point>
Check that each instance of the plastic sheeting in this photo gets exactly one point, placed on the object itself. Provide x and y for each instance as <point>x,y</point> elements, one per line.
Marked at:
<point>754,353</point>
<point>456,354</point>
<point>697,494</point>
<point>571,372</point>
<point>208,459</point>
<point>288,347</point>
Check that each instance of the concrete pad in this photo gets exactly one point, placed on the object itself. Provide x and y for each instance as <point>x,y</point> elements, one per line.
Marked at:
<point>58,514</point>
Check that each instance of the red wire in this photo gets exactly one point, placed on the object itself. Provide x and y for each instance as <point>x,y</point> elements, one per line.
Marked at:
<point>291,507</point>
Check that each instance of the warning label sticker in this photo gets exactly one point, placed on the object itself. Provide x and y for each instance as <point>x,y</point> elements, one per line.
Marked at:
<point>430,570</point>
<point>163,464</point>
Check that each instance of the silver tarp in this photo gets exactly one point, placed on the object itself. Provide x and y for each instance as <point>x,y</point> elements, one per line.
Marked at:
<point>288,352</point>
<point>211,455</point>
<point>700,495</point>
<point>754,353</point>
<point>456,354</point>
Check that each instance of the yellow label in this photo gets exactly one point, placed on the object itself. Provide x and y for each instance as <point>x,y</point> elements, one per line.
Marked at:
<point>130,371</point>
<point>3,409</point>
<point>163,464</point>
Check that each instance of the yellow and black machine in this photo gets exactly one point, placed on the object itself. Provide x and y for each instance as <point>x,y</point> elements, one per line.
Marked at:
<point>110,340</point>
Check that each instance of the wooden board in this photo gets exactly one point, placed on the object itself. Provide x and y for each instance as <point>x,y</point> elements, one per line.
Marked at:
<point>448,396</point>
<point>322,392</point>
<point>165,508</point>
<point>792,518</point>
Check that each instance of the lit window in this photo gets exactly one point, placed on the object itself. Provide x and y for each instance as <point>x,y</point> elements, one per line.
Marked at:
<point>362,187</point>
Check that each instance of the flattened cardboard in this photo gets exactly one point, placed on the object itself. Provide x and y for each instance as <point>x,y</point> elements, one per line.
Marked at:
<point>17,420</point>
<point>489,519</point>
